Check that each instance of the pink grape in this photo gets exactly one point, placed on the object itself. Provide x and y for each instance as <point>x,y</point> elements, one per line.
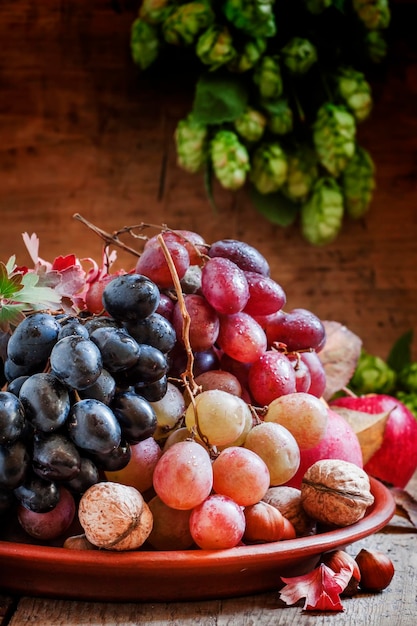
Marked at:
<point>271,376</point>
<point>192,242</point>
<point>244,255</point>
<point>171,527</point>
<point>317,373</point>
<point>302,372</point>
<point>204,322</point>
<point>304,415</point>
<point>224,286</point>
<point>52,524</point>
<point>165,306</point>
<point>152,263</point>
<point>240,474</point>
<point>277,447</point>
<point>219,379</point>
<point>139,471</point>
<point>265,295</point>
<point>183,476</point>
<point>241,337</point>
<point>217,523</point>
<point>298,329</point>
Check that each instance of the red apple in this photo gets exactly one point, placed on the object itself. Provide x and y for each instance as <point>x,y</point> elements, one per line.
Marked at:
<point>339,442</point>
<point>396,460</point>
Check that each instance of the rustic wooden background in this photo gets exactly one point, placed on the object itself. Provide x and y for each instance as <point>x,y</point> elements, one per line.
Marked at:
<point>81,131</point>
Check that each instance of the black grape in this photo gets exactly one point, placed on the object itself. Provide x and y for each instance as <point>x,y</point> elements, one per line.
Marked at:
<point>14,463</point>
<point>103,389</point>
<point>87,476</point>
<point>72,326</point>
<point>118,349</point>
<point>115,460</point>
<point>152,392</point>
<point>76,361</point>
<point>135,416</point>
<point>55,457</point>
<point>130,297</point>
<point>12,418</point>
<point>33,339</point>
<point>93,427</point>
<point>46,401</point>
<point>155,330</point>
<point>38,495</point>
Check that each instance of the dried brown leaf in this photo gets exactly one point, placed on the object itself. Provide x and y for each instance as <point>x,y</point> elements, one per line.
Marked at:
<point>339,356</point>
<point>406,504</point>
<point>369,428</point>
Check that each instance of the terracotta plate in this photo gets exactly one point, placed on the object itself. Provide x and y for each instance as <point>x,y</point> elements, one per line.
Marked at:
<point>180,575</point>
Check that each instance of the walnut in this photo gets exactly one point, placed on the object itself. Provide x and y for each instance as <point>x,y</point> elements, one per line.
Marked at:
<point>288,502</point>
<point>336,492</point>
<point>115,516</point>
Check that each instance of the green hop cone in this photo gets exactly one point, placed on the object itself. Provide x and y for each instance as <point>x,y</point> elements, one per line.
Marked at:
<point>215,47</point>
<point>302,174</point>
<point>322,214</point>
<point>334,133</point>
<point>251,125</point>
<point>407,378</point>
<point>247,57</point>
<point>156,11</point>
<point>183,25</point>
<point>269,168</point>
<point>267,77</point>
<point>191,144</point>
<point>298,55</point>
<point>372,375</point>
<point>376,46</point>
<point>409,400</point>
<point>355,92</point>
<point>358,183</point>
<point>280,116</point>
<point>317,6</point>
<point>230,159</point>
<point>144,43</point>
<point>373,14</point>
<point>254,17</point>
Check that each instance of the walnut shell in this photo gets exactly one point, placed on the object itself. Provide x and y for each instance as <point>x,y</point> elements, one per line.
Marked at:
<point>288,502</point>
<point>115,516</point>
<point>336,492</point>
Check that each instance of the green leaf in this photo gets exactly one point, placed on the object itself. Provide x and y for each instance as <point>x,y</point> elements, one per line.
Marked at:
<point>9,285</point>
<point>219,98</point>
<point>275,207</point>
<point>11,314</point>
<point>38,297</point>
<point>400,354</point>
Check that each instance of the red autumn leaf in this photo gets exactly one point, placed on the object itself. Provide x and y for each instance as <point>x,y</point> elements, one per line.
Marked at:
<point>63,262</point>
<point>321,588</point>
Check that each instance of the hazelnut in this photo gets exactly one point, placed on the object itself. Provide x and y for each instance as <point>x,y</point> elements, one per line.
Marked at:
<point>264,523</point>
<point>78,542</point>
<point>376,568</point>
<point>115,516</point>
<point>336,492</point>
<point>288,502</point>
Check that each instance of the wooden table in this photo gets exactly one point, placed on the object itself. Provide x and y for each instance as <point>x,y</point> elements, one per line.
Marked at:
<point>395,606</point>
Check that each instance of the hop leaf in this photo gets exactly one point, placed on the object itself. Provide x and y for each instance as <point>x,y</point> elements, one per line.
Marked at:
<point>334,137</point>
<point>191,144</point>
<point>254,17</point>
<point>322,214</point>
<point>269,167</point>
<point>358,183</point>
<point>298,55</point>
<point>183,25</point>
<point>144,43</point>
<point>230,159</point>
